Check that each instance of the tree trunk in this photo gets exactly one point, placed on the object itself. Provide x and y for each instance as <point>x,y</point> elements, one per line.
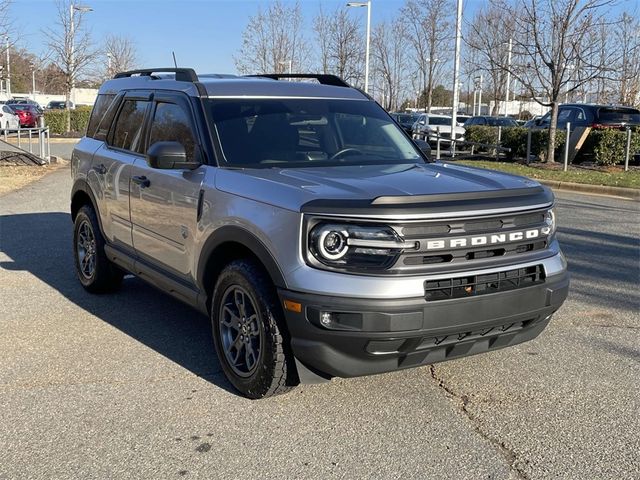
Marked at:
<point>551,147</point>
<point>67,110</point>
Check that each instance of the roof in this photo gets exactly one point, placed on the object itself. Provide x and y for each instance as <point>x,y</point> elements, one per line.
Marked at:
<point>232,86</point>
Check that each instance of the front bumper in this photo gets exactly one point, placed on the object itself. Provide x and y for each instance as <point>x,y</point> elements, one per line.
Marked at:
<point>392,334</point>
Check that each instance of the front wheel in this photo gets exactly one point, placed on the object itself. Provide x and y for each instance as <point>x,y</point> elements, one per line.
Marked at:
<point>249,332</point>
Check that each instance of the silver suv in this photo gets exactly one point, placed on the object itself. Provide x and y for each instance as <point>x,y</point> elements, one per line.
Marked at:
<point>320,241</point>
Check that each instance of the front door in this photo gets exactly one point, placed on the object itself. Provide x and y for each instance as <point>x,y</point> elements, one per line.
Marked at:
<point>164,202</point>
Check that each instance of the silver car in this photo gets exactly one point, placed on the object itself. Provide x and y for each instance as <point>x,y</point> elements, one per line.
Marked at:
<point>317,237</point>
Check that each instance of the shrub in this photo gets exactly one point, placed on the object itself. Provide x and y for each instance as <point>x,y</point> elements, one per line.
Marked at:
<point>481,134</point>
<point>56,120</point>
<point>80,118</point>
<point>609,145</point>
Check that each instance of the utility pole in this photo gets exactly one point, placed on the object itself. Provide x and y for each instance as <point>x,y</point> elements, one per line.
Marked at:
<point>8,82</point>
<point>506,95</point>
<point>456,75</point>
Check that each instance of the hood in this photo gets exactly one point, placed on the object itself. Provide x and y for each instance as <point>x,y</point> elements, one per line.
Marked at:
<point>291,188</point>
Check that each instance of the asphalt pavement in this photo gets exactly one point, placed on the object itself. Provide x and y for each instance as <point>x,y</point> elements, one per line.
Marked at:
<point>127,385</point>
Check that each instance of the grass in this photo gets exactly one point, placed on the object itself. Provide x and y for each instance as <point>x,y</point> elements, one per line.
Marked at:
<point>613,178</point>
<point>15,177</point>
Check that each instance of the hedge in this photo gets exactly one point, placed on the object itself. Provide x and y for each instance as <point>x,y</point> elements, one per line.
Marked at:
<point>56,120</point>
<point>515,138</point>
<point>609,145</point>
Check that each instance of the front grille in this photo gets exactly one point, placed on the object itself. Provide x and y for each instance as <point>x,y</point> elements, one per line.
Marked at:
<point>424,258</point>
<point>474,285</point>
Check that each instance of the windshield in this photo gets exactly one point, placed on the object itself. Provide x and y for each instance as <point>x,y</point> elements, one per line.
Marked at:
<point>440,121</point>
<point>501,122</point>
<point>262,133</point>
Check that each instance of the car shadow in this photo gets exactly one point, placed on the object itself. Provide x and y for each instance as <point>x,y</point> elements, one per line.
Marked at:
<point>40,243</point>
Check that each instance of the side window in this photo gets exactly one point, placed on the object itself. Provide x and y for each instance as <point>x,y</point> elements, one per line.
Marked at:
<point>126,133</point>
<point>172,123</point>
<point>99,109</point>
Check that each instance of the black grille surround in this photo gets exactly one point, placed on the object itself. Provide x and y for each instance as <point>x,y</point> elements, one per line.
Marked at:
<point>482,284</point>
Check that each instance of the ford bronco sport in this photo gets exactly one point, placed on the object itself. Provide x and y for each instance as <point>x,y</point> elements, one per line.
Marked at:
<point>320,241</point>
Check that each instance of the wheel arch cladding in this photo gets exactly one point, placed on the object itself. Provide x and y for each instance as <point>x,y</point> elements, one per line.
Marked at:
<point>81,194</point>
<point>229,243</point>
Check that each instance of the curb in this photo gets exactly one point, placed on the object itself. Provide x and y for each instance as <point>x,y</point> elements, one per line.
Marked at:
<point>629,193</point>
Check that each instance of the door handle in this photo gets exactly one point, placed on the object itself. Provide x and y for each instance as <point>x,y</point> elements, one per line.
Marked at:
<point>101,169</point>
<point>141,180</point>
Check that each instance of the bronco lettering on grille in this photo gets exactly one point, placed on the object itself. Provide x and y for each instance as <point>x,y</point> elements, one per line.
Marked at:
<point>477,240</point>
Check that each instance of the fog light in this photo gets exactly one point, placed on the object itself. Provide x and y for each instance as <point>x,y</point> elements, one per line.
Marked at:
<point>325,319</point>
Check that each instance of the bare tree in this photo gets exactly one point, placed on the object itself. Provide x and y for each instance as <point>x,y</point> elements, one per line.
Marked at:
<point>488,37</point>
<point>121,54</point>
<point>341,45</point>
<point>428,30</point>
<point>273,41</point>
<point>628,39</point>
<point>70,45</point>
<point>388,49</point>
<point>551,42</point>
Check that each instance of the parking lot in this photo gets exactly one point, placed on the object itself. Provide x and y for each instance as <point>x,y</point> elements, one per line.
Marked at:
<point>127,385</point>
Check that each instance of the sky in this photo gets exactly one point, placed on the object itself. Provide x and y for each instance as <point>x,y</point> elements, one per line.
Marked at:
<point>205,34</point>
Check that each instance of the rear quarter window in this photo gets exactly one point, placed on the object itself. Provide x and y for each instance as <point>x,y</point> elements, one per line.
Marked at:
<point>619,115</point>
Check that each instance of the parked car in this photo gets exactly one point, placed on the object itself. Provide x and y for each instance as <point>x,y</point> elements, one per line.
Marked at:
<point>491,121</point>
<point>25,101</point>
<point>427,126</point>
<point>591,115</point>
<point>405,120</point>
<point>305,224</point>
<point>9,120</point>
<point>29,115</point>
<point>461,119</point>
<point>59,105</point>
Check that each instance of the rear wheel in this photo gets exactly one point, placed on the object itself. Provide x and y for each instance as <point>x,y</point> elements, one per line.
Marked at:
<point>249,332</point>
<point>94,270</point>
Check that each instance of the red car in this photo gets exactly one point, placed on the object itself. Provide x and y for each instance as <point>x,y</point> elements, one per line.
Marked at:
<point>29,115</point>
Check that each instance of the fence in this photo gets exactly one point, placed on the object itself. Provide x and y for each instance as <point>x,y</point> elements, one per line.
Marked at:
<point>28,138</point>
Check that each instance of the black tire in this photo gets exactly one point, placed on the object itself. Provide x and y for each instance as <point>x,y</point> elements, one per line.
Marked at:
<point>103,276</point>
<point>272,370</point>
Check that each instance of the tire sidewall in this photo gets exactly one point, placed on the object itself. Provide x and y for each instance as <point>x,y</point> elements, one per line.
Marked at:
<point>82,217</point>
<point>255,385</point>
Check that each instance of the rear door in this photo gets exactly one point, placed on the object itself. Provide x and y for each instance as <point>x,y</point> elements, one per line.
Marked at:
<point>112,164</point>
<point>164,202</point>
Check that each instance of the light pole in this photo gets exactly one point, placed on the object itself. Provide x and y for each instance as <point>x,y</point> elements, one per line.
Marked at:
<point>506,95</point>
<point>109,72</point>
<point>287,62</point>
<point>72,31</point>
<point>33,80</point>
<point>8,82</point>
<point>456,76</point>
<point>366,60</point>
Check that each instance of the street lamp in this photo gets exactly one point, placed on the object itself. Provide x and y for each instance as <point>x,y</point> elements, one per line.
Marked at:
<point>366,61</point>
<point>33,80</point>
<point>72,30</point>
<point>506,95</point>
<point>109,72</point>
<point>287,62</point>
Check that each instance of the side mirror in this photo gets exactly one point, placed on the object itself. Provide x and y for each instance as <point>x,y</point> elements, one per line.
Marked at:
<point>424,147</point>
<point>169,155</point>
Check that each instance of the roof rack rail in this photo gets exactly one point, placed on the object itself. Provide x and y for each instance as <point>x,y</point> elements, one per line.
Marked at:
<point>323,78</point>
<point>182,74</point>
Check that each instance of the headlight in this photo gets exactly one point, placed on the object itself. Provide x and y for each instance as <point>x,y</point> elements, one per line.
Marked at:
<point>355,246</point>
<point>550,222</point>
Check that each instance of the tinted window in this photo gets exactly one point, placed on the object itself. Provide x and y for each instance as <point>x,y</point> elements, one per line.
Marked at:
<point>619,115</point>
<point>99,109</point>
<point>127,129</point>
<point>501,122</point>
<point>439,121</point>
<point>306,132</point>
<point>172,123</point>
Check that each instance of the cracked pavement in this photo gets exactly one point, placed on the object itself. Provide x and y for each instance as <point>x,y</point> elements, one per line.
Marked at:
<point>127,385</point>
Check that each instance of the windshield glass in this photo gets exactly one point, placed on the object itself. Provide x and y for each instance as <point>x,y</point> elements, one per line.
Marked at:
<point>501,122</point>
<point>439,120</point>
<point>262,133</point>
